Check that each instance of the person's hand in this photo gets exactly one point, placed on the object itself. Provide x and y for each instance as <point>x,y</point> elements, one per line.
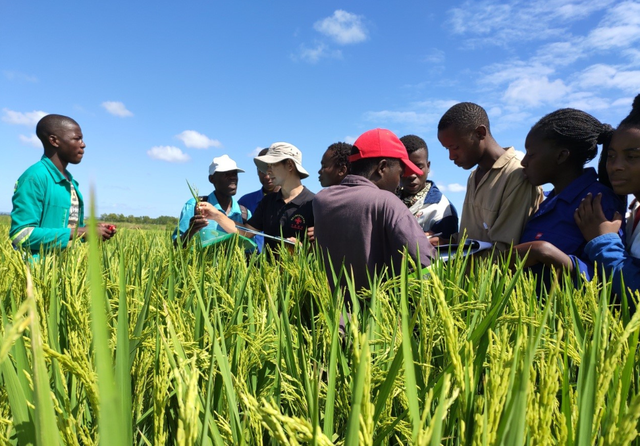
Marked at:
<point>311,234</point>
<point>106,231</point>
<point>436,240</point>
<point>592,221</point>
<point>208,210</point>
<point>197,222</point>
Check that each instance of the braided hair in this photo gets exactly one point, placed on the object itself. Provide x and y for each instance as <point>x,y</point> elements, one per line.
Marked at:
<point>579,133</point>
<point>465,116</point>
<point>633,120</point>
<point>341,152</point>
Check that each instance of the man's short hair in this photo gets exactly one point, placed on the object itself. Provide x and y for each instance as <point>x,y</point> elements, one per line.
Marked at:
<point>50,125</point>
<point>465,116</point>
<point>414,143</point>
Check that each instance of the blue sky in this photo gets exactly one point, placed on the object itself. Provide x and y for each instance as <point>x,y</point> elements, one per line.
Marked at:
<point>160,88</point>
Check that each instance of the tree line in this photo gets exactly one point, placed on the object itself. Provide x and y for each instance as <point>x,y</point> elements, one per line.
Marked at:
<point>145,220</point>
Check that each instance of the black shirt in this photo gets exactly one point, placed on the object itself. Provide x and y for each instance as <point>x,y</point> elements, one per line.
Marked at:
<point>275,217</point>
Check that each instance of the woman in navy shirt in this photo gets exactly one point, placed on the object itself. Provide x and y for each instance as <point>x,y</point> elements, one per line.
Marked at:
<point>557,149</point>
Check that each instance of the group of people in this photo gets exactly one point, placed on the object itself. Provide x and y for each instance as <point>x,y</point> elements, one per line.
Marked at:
<point>377,203</point>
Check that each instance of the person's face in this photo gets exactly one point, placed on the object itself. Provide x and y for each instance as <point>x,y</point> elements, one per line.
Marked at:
<point>623,161</point>
<point>541,160</point>
<point>464,147</point>
<point>389,175</point>
<point>225,183</point>
<point>278,172</point>
<point>414,183</point>
<point>330,174</point>
<point>69,143</point>
<point>266,181</point>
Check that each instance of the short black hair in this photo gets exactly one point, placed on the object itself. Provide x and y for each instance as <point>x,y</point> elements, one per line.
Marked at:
<point>341,152</point>
<point>633,119</point>
<point>365,166</point>
<point>50,125</point>
<point>414,143</point>
<point>465,116</point>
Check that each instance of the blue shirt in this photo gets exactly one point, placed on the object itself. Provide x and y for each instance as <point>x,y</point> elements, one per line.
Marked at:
<point>251,200</point>
<point>187,212</point>
<point>554,222</point>
<point>610,253</point>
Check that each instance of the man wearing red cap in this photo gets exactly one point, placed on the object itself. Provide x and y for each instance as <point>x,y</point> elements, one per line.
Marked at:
<point>360,223</point>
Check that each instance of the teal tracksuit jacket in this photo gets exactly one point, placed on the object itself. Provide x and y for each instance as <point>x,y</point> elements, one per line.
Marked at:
<point>41,203</point>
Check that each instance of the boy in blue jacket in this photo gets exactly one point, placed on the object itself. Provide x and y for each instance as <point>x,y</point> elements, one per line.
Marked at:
<point>48,209</point>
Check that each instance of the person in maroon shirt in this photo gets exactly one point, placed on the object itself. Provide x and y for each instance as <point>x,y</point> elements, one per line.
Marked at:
<point>360,224</point>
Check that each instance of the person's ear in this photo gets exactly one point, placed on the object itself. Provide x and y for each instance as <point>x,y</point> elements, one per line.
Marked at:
<point>382,167</point>
<point>342,171</point>
<point>53,141</point>
<point>428,167</point>
<point>211,179</point>
<point>481,132</point>
<point>563,155</point>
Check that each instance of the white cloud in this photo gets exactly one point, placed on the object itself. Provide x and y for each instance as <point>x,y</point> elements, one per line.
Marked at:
<point>20,77</point>
<point>453,187</point>
<point>609,76</point>
<point>255,152</point>
<point>195,140</point>
<point>343,27</point>
<point>456,187</point>
<point>620,27</point>
<point>507,22</point>
<point>535,91</point>
<point>31,140</point>
<point>116,109</point>
<point>168,153</point>
<point>320,51</point>
<point>434,56</point>
<point>350,139</point>
<point>22,118</point>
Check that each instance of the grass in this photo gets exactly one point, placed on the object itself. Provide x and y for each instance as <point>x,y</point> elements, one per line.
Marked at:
<point>134,342</point>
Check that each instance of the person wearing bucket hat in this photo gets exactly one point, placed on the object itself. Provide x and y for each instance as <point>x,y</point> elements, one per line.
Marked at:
<point>223,174</point>
<point>287,213</point>
<point>375,227</point>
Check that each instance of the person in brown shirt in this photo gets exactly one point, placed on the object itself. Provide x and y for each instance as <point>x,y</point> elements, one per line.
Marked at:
<point>499,198</point>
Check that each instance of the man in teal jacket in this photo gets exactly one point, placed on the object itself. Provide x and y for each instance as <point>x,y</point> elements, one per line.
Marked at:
<point>48,209</point>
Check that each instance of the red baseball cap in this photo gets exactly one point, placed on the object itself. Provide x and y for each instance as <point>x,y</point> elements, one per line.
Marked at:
<point>382,143</point>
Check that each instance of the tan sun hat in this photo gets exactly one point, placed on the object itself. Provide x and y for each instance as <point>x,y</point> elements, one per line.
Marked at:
<point>280,151</point>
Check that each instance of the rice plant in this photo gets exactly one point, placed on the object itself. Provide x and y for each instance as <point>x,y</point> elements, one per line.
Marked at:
<point>136,342</point>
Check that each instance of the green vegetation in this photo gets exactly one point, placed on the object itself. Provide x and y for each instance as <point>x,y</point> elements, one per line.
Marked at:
<point>133,342</point>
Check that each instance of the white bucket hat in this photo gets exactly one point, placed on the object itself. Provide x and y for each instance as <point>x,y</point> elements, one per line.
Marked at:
<point>223,164</point>
<point>280,151</point>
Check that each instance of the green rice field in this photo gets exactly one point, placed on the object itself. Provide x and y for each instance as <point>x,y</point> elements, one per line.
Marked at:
<point>135,342</point>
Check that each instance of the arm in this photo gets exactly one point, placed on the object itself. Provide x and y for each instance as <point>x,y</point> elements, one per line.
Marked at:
<point>26,218</point>
<point>228,225</point>
<point>542,252</point>
<point>609,252</point>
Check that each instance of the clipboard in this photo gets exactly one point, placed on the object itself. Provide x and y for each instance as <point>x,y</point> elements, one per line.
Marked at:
<point>469,247</point>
